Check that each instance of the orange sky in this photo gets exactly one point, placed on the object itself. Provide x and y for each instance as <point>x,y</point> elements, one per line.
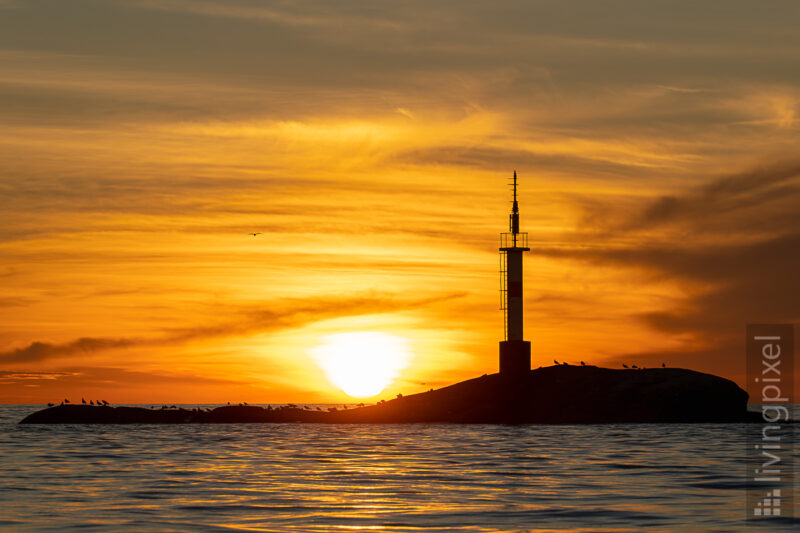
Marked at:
<point>371,144</point>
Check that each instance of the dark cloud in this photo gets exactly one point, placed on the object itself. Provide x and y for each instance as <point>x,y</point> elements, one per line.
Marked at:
<point>732,253</point>
<point>527,162</point>
<point>39,351</point>
<point>15,301</point>
<point>754,188</point>
<point>254,318</point>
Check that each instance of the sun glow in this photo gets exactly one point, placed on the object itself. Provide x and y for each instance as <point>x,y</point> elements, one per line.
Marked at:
<point>362,364</point>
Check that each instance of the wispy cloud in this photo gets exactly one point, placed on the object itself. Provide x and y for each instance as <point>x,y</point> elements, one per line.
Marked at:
<point>253,319</point>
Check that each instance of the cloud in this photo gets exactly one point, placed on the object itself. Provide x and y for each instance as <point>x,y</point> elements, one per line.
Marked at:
<point>250,319</point>
<point>752,188</point>
<point>310,15</point>
<point>14,375</point>
<point>731,245</point>
<point>40,351</point>
<point>15,301</point>
<point>94,376</point>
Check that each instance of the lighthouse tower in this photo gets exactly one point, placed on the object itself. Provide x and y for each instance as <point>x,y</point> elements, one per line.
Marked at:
<point>515,353</point>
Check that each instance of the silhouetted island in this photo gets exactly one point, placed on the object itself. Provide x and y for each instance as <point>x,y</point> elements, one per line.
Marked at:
<point>551,395</point>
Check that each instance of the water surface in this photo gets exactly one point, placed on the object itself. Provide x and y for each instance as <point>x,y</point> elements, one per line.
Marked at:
<point>416,477</point>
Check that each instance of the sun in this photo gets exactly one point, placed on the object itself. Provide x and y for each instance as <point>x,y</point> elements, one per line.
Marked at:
<point>362,364</point>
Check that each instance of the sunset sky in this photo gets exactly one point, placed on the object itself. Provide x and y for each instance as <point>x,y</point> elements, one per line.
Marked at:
<point>371,143</point>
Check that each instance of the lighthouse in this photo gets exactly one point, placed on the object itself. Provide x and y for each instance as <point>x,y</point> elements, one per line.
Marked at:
<point>515,353</point>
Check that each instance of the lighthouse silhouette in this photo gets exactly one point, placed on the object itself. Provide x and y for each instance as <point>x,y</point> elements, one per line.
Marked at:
<point>515,353</point>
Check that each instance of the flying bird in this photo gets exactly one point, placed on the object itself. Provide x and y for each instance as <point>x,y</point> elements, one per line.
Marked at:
<point>624,365</point>
<point>254,234</point>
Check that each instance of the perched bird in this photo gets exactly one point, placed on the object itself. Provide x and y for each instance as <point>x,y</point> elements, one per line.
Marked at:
<point>66,400</point>
<point>583,364</point>
<point>50,404</point>
<point>254,234</point>
<point>105,402</point>
<point>634,366</point>
<point>624,365</point>
<point>565,363</point>
<point>556,362</point>
<point>83,400</point>
<point>663,365</point>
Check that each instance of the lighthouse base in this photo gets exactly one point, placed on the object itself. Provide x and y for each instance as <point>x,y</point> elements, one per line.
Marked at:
<point>515,357</point>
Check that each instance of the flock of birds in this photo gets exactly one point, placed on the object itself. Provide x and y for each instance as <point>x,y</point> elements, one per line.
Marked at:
<point>83,401</point>
<point>105,403</point>
<point>663,365</point>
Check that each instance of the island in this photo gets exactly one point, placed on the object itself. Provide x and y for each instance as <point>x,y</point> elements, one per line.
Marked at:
<point>561,394</point>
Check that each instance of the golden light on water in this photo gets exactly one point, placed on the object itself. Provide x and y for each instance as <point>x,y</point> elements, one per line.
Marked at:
<point>362,364</point>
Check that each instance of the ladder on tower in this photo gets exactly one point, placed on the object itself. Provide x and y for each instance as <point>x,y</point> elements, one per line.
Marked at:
<point>504,291</point>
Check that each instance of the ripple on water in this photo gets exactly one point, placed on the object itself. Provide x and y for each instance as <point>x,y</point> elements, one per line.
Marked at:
<point>294,477</point>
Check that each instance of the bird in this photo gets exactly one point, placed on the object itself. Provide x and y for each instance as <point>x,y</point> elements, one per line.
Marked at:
<point>83,400</point>
<point>583,364</point>
<point>66,400</point>
<point>565,363</point>
<point>663,365</point>
<point>105,402</point>
<point>91,402</point>
<point>50,404</point>
<point>254,234</point>
<point>634,366</point>
<point>624,365</point>
<point>556,362</point>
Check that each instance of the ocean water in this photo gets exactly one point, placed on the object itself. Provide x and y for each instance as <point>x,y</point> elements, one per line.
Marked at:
<point>418,477</point>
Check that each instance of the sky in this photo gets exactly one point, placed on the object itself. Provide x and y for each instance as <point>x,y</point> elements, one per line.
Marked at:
<point>371,145</point>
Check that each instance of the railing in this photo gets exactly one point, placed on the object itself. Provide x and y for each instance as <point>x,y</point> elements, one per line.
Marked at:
<point>507,240</point>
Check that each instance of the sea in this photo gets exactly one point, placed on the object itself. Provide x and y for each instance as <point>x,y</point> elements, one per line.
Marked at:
<point>374,477</point>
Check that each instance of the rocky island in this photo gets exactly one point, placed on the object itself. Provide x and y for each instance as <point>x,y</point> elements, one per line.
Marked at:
<point>560,394</point>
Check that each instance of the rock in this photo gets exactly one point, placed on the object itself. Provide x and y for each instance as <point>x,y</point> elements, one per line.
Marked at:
<point>550,395</point>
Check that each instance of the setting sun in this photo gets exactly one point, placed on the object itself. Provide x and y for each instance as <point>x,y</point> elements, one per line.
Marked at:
<point>362,364</point>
